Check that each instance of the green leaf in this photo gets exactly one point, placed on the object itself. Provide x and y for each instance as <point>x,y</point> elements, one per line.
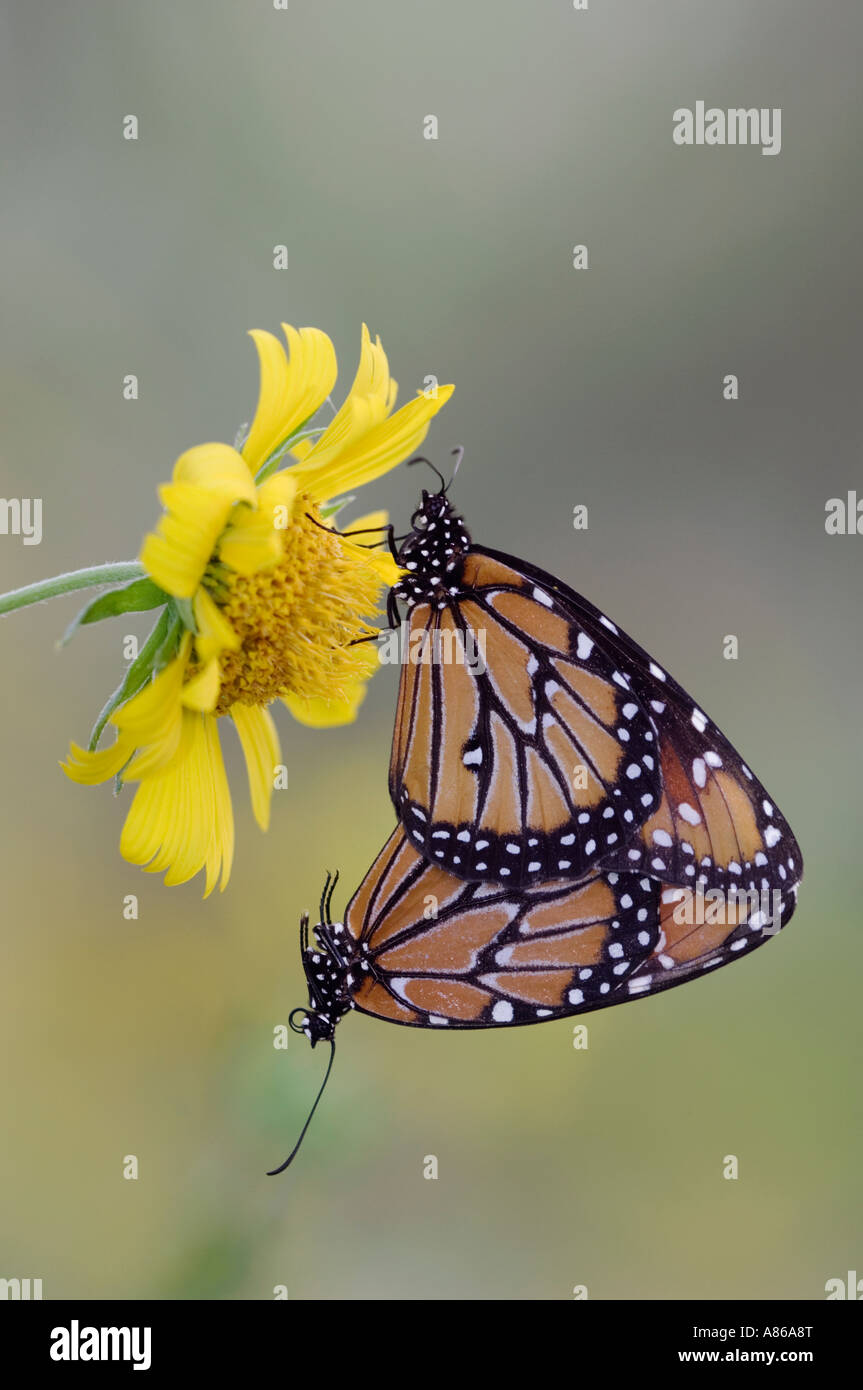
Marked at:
<point>136,597</point>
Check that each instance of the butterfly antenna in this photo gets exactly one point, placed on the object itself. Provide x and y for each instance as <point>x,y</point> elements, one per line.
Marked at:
<point>420,458</point>
<point>272,1172</point>
<point>324,898</point>
<point>458,455</point>
<point>329,896</point>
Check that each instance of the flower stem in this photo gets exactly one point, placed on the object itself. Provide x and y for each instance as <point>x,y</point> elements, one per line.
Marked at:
<point>69,583</point>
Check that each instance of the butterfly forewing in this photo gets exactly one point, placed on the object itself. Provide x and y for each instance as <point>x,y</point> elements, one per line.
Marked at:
<point>716,826</point>
<point>520,753</point>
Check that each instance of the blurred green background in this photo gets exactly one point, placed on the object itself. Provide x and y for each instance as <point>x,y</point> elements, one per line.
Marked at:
<point>604,387</point>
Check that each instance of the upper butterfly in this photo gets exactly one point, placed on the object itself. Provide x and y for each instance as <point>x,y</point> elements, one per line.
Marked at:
<point>534,739</point>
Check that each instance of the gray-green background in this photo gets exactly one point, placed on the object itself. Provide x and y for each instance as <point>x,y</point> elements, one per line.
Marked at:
<point>601,387</point>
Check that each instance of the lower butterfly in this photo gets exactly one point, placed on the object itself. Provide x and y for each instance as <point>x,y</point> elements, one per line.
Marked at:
<point>420,947</point>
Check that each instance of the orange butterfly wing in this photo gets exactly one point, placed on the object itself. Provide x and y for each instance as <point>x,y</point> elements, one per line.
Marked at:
<point>519,754</point>
<point>716,826</point>
<point>432,950</point>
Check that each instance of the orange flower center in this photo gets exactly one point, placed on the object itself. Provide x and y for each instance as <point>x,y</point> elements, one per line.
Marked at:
<point>299,621</point>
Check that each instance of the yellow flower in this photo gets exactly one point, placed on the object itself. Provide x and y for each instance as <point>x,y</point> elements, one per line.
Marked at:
<point>266,600</point>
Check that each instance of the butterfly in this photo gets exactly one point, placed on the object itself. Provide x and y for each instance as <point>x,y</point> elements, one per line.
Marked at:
<point>534,739</point>
<point>420,947</point>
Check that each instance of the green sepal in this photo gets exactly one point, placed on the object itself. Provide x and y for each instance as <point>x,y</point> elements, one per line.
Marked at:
<point>169,647</point>
<point>184,611</point>
<point>269,466</point>
<point>333,508</point>
<point>137,597</point>
<point>158,649</point>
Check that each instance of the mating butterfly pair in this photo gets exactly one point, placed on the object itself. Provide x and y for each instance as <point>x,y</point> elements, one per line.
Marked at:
<point>586,834</point>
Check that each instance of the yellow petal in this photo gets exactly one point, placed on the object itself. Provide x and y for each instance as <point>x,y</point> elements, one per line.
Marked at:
<point>220,851</point>
<point>365,526</point>
<point>208,481</point>
<point>202,691</point>
<point>328,714</point>
<point>260,743</point>
<point>176,555</point>
<point>385,567</point>
<point>158,754</point>
<point>357,416</point>
<point>372,381</point>
<point>180,820</point>
<point>254,539</point>
<point>372,452</point>
<point>147,716</point>
<point>278,492</point>
<point>215,634</point>
<point>91,768</point>
<point>216,468</point>
<point>359,535</point>
<point>163,829</point>
<point>291,391</point>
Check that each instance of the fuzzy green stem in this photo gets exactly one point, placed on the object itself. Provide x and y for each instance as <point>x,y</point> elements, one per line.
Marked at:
<point>68,583</point>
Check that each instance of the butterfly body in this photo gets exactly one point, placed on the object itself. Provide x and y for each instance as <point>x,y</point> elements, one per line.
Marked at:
<point>329,963</point>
